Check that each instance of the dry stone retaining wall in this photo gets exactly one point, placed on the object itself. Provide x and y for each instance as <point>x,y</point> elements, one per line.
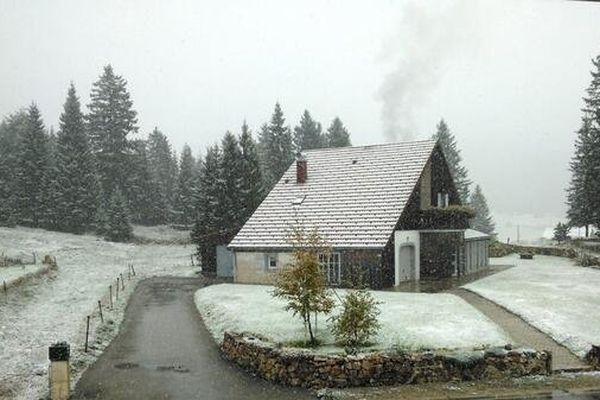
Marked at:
<point>306,369</point>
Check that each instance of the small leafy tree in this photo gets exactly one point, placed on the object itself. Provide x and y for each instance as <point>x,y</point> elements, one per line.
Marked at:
<point>302,284</point>
<point>358,320</point>
<point>561,232</point>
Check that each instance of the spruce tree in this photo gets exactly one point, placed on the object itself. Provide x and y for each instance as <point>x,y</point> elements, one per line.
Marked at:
<point>145,201</point>
<point>337,135</point>
<point>308,134</point>
<point>51,212</point>
<point>483,221</point>
<point>163,169</point>
<point>452,154</point>
<point>276,148</point>
<point>231,177</point>
<point>208,229</point>
<point>118,228</point>
<point>75,169</point>
<point>184,200</point>
<point>11,131</point>
<point>32,165</point>
<point>582,195</point>
<point>252,187</point>
<point>110,120</point>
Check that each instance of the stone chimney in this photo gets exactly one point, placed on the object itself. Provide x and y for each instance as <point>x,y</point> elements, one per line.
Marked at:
<point>301,169</point>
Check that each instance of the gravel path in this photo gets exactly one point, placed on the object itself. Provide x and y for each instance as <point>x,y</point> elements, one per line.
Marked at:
<point>522,333</point>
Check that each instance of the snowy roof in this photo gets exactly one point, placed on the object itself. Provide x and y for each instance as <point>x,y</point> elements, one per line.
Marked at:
<point>353,196</point>
<point>472,234</point>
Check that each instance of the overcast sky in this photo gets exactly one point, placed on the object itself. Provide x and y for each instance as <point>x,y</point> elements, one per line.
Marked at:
<point>507,76</point>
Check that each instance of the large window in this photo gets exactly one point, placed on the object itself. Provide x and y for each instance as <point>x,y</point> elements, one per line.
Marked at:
<point>330,265</point>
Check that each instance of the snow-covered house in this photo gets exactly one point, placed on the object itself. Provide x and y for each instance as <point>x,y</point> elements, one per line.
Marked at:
<point>389,210</point>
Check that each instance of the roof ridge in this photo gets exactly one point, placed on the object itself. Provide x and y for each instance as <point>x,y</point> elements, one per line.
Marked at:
<point>421,141</point>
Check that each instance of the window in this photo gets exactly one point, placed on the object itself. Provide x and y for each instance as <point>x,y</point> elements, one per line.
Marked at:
<point>331,267</point>
<point>443,200</point>
<point>271,261</point>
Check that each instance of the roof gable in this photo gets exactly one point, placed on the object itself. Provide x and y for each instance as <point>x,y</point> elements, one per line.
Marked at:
<point>353,196</point>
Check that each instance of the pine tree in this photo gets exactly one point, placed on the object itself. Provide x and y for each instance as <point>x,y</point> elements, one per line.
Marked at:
<point>145,201</point>
<point>184,201</point>
<point>75,169</point>
<point>582,195</point>
<point>561,232</point>
<point>11,131</point>
<point>118,228</point>
<point>33,162</point>
<point>163,169</point>
<point>483,221</point>
<point>110,120</point>
<point>276,148</point>
<point>208,227</point>
<point>230,190</point>
<point>450,149</point>
<point>337,135</point>
<point>308,134</point>
<point>252,187</point>
<point>51,193</point>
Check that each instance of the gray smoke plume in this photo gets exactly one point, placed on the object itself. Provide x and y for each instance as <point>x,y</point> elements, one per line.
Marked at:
<point>428,36</point>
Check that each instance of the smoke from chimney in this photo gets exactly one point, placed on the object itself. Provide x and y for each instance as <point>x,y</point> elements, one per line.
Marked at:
<point>429,36</point>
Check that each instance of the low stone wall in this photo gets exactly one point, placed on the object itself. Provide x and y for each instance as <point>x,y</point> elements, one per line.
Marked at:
<point>306,369</point>
<point>498,249</point>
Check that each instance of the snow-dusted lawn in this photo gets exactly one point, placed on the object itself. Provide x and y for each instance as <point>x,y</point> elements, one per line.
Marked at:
<point>53,308</point>
<point>409,320</point>
<point>551,293</point>
<point>161,233</point>
<point>18,273</point>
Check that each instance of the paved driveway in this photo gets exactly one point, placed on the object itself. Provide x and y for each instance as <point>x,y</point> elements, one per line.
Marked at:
<point>164,352</point>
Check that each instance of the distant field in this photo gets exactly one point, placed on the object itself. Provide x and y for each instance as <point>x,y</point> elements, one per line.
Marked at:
<point>48,309</point>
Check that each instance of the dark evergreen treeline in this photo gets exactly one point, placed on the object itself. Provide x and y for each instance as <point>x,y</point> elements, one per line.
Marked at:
<point>583,194</point>
<point>93,175</point>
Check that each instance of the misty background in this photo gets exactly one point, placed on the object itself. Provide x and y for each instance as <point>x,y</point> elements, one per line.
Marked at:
<point>507,76</point>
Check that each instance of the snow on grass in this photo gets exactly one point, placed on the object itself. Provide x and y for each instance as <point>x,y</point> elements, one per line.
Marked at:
<point>408,320</point>
<point>161,234</point>
<point>552,294</point>
<point>19,273</point>
<point>53,307</point>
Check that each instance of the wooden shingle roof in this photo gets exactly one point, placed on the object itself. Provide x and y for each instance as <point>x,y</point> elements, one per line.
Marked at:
<point>353,197</point>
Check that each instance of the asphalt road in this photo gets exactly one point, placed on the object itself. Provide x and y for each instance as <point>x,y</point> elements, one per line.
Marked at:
<point>164,351</point>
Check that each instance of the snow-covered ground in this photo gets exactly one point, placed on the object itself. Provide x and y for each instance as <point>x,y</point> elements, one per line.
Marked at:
<point>161,234</point>
<point>408,320</point>
<point>53,307</point>
<point>19,273</point>
<point>552,294</point>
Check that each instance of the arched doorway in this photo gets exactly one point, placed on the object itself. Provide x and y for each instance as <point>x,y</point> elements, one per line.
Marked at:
<point>406,263</point>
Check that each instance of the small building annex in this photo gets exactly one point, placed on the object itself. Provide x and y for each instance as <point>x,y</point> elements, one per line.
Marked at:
<point>391,211</point>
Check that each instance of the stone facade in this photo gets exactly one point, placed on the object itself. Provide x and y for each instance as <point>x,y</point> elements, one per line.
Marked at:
<point>307,369</point>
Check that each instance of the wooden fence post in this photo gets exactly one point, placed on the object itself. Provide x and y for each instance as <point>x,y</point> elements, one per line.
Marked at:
<point>100,310</point>
<point>87,333</point>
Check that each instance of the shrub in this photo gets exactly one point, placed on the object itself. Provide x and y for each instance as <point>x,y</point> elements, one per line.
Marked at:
<point>586,260</point>
<point>302,284</point>
<point>358,320</point>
